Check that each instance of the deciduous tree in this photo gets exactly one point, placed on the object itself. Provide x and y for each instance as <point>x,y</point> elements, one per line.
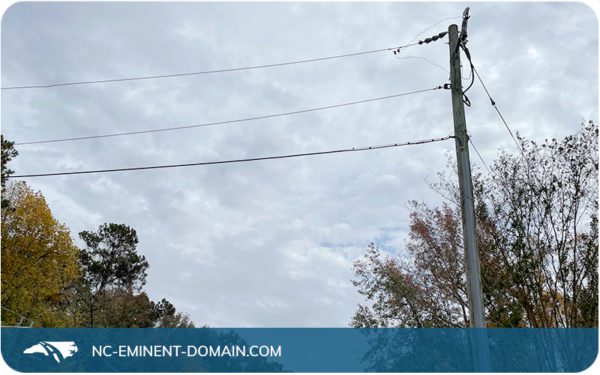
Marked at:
<point>39,259</point>
<point>537,230</point>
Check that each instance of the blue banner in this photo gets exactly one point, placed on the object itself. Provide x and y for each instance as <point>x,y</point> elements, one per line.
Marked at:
<point>299,350</point>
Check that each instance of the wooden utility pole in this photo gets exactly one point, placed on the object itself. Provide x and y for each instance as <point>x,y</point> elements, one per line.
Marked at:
<point>477,316</point>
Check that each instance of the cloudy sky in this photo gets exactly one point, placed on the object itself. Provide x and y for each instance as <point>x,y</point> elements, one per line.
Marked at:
<point>272,243</point>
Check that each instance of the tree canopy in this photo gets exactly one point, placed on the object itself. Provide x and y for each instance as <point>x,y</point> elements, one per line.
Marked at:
<point>537,230</point>
<point>110,258</point>
<point>47,281</point>
<point>8,153</point>
<point>39,259</point>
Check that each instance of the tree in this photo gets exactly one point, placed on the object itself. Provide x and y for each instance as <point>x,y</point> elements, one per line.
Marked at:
<point>537,231</point>
<point>545,210</point>
<point>109,262</point>
<point>48,281</point>
<point>110,291</point>
<point>166,316</point>
<point>8,152</point>
<point>125,309</point>
<point>110,259</point>
<point>39,259</point>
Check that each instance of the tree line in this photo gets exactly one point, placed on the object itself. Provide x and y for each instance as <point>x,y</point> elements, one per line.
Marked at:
<point>47,281</point>
<point>537,235</point>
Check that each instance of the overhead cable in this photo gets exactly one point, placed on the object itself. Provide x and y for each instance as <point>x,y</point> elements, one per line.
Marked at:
<point>226,121</point>
<point>202,72</point>
<point>431,27</point>
<point>479,155</point>
<point>493,102</point>
<point>286,156</point>
<point>524,159</point>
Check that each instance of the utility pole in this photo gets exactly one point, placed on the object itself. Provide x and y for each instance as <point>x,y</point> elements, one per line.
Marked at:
<point>477,316</point>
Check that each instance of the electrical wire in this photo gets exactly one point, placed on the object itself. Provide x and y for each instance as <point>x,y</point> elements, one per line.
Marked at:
<point>463,46</point>
<point>226,70</point>
<point>498,110</point>
<point>353,149</point>
<point>474,73</point>
<point>531,177</point>
<point>523,157</point>
<point>479,155</point>
<point>227,121</point>
<point>469,78</point>
<point>431,27</point>
<point>424,59</point>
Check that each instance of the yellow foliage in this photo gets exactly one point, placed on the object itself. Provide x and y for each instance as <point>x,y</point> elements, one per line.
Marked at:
<point>38,259</point>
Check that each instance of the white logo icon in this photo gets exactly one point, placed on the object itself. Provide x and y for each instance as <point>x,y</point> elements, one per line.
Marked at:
<point>59,350</point>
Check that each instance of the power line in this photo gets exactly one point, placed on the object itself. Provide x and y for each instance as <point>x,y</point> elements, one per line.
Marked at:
<point>479,155</point>
<point>463,46</point>
<point>431,27</point>
<point>139,78</point>
<point>496,108</point>
<point>353,149</point>
<point>227,121</point>
<point>475,73</point>
<point>424,59</point>
<point>524,159</point>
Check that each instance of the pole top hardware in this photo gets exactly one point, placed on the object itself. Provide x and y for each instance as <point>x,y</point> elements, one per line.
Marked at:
<point>421,42</point>
<point>433,38</point>
<point>463,30</point>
